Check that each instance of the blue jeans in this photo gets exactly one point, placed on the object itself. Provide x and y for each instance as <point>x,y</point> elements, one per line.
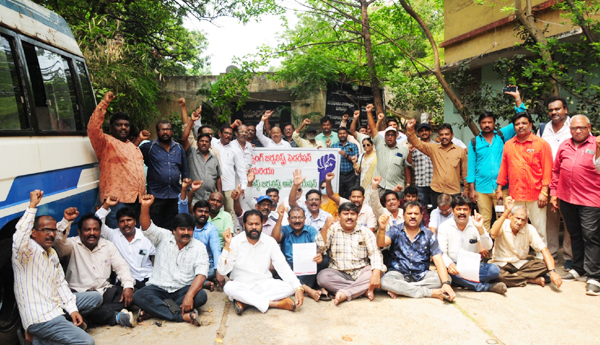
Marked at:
<point>487,273</point>
<point>62,331</point>
<point>151,299</point>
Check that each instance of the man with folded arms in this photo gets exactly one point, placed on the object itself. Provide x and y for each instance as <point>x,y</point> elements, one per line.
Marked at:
<point>468,233</point>
<point>247,259</point>
<point>41,291</point>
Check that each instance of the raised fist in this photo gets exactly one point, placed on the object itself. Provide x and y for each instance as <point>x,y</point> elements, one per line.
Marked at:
<point>306,122</point>
<point>111,201</point>
<point>326,164</point>
<point>35,197</point>
<point>369,108</point>
<point>197,184</point>
<point>108,97</point>
<point>71,213</point>
<point>345,117</point>
<point>147,200</point>
<point>411,124</point>
<point>181,102</point>
<point>144,134</point>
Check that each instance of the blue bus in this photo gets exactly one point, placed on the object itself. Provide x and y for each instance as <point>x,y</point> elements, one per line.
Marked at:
<point>46,99</point>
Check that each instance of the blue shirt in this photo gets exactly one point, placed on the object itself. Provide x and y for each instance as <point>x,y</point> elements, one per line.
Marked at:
<point>209,235</point>
<point>289,237</point>
<point>412,257</point>
<point>165,169</point>
<point>346,165</point>
<point>484,165</point>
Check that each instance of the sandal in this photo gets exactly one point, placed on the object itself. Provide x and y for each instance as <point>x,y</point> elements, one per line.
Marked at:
<point>142,316</point>
<point>326,296</point>
<point>195,318</point>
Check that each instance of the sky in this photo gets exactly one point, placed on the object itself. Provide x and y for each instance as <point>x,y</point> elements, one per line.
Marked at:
<point>228,38</point>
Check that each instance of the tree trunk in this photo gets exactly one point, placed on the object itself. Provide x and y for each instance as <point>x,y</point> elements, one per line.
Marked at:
<point>538,36</point>
<point>437,71</point>
<point>366,33</point>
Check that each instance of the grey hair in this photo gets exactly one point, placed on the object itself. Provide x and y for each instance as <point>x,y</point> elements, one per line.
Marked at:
<point>514,209</point>
<point>444,199</point>
<point>587,120</point>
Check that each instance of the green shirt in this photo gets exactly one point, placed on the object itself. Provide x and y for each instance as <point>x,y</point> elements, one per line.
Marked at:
<point>223,222</point>
<point>322,138</point>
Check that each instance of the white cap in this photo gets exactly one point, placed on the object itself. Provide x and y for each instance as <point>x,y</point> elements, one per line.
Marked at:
<point>390,128</point>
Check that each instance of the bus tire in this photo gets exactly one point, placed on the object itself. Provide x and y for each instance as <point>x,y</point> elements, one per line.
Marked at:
<point>10,322</point>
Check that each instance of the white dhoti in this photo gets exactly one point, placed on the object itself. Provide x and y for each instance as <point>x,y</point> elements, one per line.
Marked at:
<point>258,295</point>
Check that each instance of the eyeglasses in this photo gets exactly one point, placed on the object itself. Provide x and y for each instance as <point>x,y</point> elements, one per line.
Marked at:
<point>297,218</point>
<point>313,199</point>
<point>580,128</point>
<point>366,145</point>
<point>46,231</point>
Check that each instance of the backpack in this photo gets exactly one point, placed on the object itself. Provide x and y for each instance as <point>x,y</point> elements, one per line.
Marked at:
<point>542,127</point>
<point>474,141</point>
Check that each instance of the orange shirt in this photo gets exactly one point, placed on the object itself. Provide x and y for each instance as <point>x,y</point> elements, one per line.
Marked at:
<point>526,167</point>
<point>121,163</point>
<point>330,207</point>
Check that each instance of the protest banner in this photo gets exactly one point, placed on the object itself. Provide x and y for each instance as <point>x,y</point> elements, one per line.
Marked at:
<point>274,168</point>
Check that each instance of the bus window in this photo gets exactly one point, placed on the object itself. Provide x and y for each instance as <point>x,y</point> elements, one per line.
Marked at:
<point>89,104</point>
<point>53,90</point>
<point>12,113</point>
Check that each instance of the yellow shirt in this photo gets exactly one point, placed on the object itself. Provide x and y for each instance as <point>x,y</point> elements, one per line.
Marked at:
<point>330,207</point>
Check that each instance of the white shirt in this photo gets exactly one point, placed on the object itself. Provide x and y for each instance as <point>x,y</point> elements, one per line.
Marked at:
<point>233,164</point>
<point>459,143</point>
<point>250,263</point>
<point>246,151</point>
<point>452,240</point>
<point>268,142</point>
<point>437,218</point>
<point>137,252</point>
<point>366,217</point>
<point>556,138</point>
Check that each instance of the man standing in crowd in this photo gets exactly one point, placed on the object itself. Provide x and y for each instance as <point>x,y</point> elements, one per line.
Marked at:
<point>252,136</point>
<point>41,291</point>
<point>180,269</point>
<point>412,248</point>
<point>288,132</point>
<point>276,136</point>
<point>527,167</point>
<point>121,162</point>
<point>348,155</point>
<point>315,216</point>
<point>485,157</point>
<point>366,217</point>
<point>246,258</point>
<point>575,189</point>
<point>133,246</point>
<point>196,128</point>
<point>311,134</point>
<point>241,143</point>
<point>449,161</point>
<point>391,157</point>
<point>467,233</point>
<point>92,259</point>
<point>327,133</point>
<point>422,166</point>
<point>355,262</point>
<point>167,165</point>
<point>513,238</point>
<point>392,122</point>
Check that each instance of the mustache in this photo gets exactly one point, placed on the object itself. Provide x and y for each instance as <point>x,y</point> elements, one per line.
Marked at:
<point>186,236</point>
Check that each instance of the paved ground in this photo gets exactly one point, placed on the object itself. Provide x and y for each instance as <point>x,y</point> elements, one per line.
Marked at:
<point>530,315</point>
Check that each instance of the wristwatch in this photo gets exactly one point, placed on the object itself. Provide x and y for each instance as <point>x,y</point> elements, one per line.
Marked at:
<point>447,282</point>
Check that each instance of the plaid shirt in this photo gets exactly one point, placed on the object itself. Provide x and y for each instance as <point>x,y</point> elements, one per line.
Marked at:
<point>346,165</point>
<point>423,168</point>
<point>350,252</point>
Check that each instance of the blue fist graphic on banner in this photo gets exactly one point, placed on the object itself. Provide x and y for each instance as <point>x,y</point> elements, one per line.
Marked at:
<point>326,165</point>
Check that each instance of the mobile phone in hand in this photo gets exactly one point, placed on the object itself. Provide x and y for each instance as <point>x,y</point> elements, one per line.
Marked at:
<point>509,89</point>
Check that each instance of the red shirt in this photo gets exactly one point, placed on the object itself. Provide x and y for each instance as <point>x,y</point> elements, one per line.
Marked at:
<point>526,167</point>
<point>574,176</point>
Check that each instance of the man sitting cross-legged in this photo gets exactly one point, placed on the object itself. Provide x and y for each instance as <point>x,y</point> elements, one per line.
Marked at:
<point>513,238</point>
<point>247,257</point>
<point>412,246</point>
<point>180,269</point>
<point>355,262</point>
<point>298,232</point>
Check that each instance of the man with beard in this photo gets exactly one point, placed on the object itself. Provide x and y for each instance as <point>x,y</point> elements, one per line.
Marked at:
<point>133,246</point>
<point>327,134</point>
<point>121,162</point>
<point>167,165</point>
<point>467,233</point>
<point>41,291</point>
<point>247,259</point>
<point>298,232</point>
<point>203,164</point>
<point>252,136</point>
<point>196,128</point>
<point>412,248</point>
<point>348,155</point>
<point>263,205</point>
<point>315,216</point>
<point>527,169</point>
<point>366,217</point>
<point>391,202</point>
<point>485,156</point>
<point>391,157</point>
<point>276,136</point>
<point>180,269</point>
<point>92,259</point>
<point>219,218</point>
<point>422,166</point>
<point>355,262</point>
<point>241,143</point>
<point>310,134</point>
<point>449,161</point>
<point>288,132</point>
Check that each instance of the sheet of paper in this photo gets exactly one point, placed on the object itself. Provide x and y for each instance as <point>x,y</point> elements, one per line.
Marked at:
<point>468,265</point>
<point>304,253</point>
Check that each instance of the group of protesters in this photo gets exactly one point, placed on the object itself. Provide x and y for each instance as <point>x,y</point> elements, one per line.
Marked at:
<point>179,219</point>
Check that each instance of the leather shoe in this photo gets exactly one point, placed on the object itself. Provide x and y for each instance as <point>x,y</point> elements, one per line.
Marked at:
<point>239,307</point>
<point>287,304</point>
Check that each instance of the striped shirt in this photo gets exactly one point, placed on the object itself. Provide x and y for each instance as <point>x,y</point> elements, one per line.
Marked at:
<point>40,286</point>
<point>350,252</point>
<point>390,163</point>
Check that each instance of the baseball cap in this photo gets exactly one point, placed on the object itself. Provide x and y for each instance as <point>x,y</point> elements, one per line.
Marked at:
<point>390,128</point>
<point>263,198</point>
<point>424,125</point>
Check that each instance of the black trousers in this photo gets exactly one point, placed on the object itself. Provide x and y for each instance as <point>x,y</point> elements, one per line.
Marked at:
<point>434,198</point>
<point>163,211</point>
<point>347,181</point>
<point>583,224</point>
<point>106,313</point>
